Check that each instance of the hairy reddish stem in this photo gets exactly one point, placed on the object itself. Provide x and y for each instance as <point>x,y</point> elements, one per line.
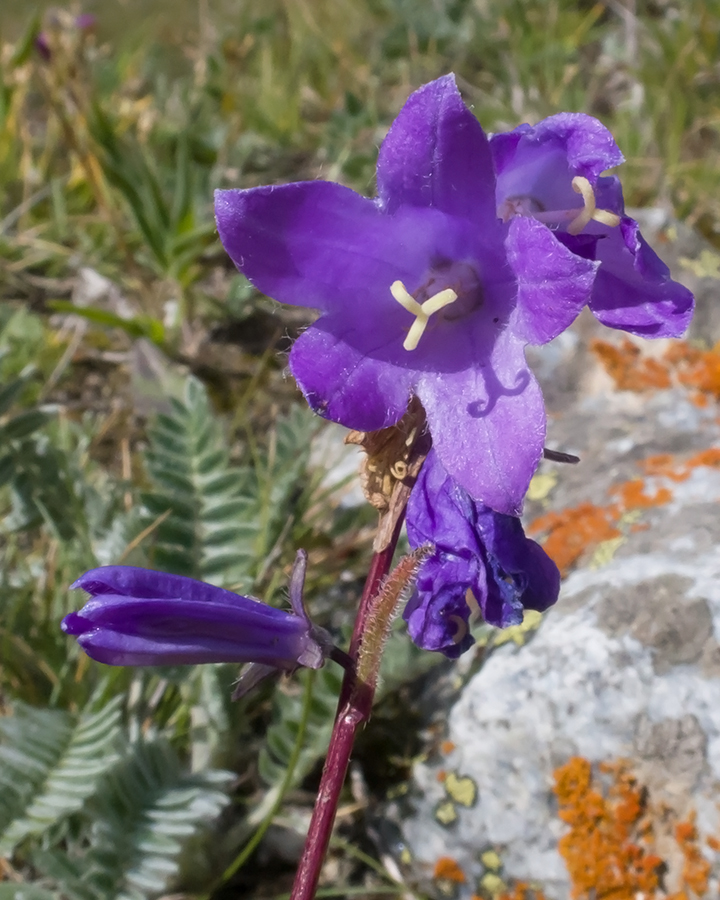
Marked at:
<point>353,709</point>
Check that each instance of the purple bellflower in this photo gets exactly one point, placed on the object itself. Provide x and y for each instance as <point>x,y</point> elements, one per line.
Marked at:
<point>423,291</point>
<point>137,617</point>
<point>482,562</point>
<point>552,172</point>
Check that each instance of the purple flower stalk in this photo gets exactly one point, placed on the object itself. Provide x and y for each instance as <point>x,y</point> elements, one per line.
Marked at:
<point>482,562</point>
<point>137,617</point>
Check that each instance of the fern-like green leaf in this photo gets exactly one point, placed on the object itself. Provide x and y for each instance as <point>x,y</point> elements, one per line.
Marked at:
<point>31,741</point>
<point>210,530</point>
<point>62,765</point>
<point>143,813</point>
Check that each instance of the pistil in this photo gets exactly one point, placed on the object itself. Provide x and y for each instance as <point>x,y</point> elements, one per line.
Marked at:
<point>577,219</point>
<point>421,311</point>
<point>589,211</point>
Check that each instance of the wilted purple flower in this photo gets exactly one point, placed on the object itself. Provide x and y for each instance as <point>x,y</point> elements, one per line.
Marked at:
<point>482,561</point>
<point>422,291</point>
<point>137,617</point>
<point>551,172</point>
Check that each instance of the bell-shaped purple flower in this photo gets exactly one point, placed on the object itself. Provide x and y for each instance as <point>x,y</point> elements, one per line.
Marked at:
<point>552,173</point>
<point>137,617</point>
<point>423,291</point>
<point>482,562</point>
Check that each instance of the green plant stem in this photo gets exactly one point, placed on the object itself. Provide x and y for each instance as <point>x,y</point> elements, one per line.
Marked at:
<point>353,710</point>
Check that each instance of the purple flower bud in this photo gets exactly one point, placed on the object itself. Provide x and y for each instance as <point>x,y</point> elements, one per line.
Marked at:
<point>137,617</point>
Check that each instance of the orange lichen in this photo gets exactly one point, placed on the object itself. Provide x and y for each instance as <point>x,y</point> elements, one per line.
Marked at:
<point>629,369</point>
<point>713,843</point>
<point>667,466</point>
<point>447,747</point>
<point>682,364</point>
<point>709,457</point>
<point>610,846</point>
<point>441,775</point>
<point>521,890</point>
<point>631,495</point>
<point>696,369</point>
<point>447,869</point>
<point>606,850</point>
<point>571,532</point>
<point>696,869</point>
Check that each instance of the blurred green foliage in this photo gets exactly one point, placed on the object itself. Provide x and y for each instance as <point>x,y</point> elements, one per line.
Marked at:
<point>144,417</point>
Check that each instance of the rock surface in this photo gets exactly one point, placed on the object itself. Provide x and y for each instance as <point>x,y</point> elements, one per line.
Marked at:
<point>627,665</point>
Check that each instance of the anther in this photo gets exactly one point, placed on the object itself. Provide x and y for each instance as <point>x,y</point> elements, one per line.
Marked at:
<point>421,311</point>
<point>589,211</point>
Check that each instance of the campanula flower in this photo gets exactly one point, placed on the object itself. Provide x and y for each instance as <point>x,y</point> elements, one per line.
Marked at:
<point>482,562</point>
<point>423,291</point>
<point>137,617</point>
<point>552,172</point>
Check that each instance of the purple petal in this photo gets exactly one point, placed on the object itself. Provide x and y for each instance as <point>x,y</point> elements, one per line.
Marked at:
<point>307,244</point>
<point>439,508</point>
<point>115,648</point>
<point>135,582</point>
<point>634,290</point>
<point>541,161</point>
<point>488,425</point>
<point>437,615</point>
<point>73,623</point>
<point>536,577</point>
<point>553,283</point>
<point>347,384</point>
<point>244,622</point>
<point>437,155</point>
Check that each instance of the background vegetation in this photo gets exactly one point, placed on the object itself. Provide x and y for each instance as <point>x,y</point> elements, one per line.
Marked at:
<point>145,417</point>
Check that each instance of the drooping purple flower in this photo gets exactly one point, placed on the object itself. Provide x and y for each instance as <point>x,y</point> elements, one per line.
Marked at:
<point>423,291</point>
<point>552,172</point>
<point>137,617</point>
<point>482,561</point>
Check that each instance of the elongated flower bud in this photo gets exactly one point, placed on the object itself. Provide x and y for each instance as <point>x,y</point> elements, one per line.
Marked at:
<point>137,617</point>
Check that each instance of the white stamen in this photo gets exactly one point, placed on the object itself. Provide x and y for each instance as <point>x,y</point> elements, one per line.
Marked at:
<point>421,311</point>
